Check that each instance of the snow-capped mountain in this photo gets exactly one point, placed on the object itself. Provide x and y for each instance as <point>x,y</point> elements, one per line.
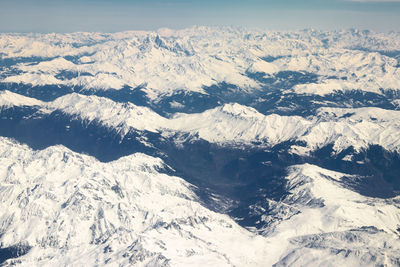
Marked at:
<point>234,123</point>
<point>200,57</point>
<point>123,212</point>
<point>69,209</point>
<point>9,100</point>
<point>203,146</point>
<point>339,226</point>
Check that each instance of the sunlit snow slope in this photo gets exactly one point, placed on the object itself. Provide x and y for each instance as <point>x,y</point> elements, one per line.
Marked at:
<point>66,208</point>
<point>207,146</point>
<point>234,123</point>
<point>192,59</point>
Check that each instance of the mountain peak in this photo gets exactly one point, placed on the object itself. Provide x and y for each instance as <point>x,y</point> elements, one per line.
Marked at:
<point>10,99</point>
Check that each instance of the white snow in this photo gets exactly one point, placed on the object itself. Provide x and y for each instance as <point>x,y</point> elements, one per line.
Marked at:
<point>121,116</point>
<point>314,220</point>
<point>235,124</point>
<point>262,66</point>
<point>73,210</point>
<point>189,59</point>
<point>76,211</point>
<point>238,124</point>
<point>9,99</point>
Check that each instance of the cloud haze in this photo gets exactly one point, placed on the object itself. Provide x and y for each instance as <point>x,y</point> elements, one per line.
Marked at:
<point>374,1</point>
<point>120,15</point>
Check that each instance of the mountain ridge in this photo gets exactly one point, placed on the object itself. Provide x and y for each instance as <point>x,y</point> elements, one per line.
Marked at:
<point>200,57</point>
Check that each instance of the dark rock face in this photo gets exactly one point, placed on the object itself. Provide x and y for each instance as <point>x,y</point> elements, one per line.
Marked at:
<point>13,252</point>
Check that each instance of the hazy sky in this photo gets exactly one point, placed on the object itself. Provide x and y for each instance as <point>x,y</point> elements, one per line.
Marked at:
<point>120,15</point>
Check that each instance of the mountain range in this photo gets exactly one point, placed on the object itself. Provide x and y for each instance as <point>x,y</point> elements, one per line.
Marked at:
<point>217,146</point>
